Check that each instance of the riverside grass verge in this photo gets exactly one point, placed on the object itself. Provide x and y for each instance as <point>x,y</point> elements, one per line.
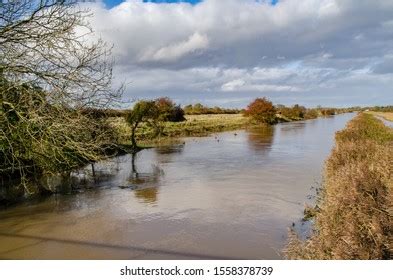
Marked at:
<point>353,219</point>
<point>386,115</point>
<point>195,125</point>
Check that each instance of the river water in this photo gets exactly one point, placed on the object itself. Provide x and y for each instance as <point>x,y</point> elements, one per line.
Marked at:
<point>232,195</point>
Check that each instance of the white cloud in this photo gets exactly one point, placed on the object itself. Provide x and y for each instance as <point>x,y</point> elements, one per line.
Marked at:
<point>233,85</point>
<point>241,85</point>
<point>246,47</point>
<point>175,51</point>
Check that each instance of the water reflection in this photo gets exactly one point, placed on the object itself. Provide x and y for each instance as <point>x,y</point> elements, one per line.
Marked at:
<point>128,172</point>
<point>94,175</point>
<point>294,127</point>
<point>148,196</point>
<point>168,153</point>
<point>145,184</point>
<point>170,149</point>
<point>260,138</point>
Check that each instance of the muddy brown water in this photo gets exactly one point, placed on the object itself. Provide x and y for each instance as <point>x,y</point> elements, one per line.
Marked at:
<point>232,195</point>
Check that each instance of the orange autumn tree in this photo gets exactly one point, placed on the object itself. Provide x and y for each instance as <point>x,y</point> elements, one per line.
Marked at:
<point>261,110</point>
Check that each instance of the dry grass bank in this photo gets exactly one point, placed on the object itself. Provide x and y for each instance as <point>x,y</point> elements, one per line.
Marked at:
<point>386,115</point>
<point>354,216</point>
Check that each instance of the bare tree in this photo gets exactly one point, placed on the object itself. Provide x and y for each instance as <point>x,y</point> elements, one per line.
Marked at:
<point>51,70</point>
<point>48,42</point>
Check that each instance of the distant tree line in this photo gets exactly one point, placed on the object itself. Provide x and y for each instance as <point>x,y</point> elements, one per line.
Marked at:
<point>286,112</point>
<point>196,109</point>
<point>379,108</point>
<point>262,110</point>
<point>199,109</point>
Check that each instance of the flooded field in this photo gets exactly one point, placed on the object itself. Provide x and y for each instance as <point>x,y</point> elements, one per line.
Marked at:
<point>232,195</point>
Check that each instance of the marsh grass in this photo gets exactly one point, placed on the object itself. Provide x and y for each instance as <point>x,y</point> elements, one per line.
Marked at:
<point>354,216</point>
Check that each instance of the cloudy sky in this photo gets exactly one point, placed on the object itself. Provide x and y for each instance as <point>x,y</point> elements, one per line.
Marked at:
<point>312,52</point>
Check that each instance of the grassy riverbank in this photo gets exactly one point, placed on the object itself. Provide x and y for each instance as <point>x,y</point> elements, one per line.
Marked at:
<point>353,219</point>
<point>195,125</point>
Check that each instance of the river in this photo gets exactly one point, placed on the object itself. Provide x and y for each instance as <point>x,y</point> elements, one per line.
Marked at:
<point>232,195</point>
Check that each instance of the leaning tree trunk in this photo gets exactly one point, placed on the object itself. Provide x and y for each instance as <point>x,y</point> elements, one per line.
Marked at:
<point>133,141</point>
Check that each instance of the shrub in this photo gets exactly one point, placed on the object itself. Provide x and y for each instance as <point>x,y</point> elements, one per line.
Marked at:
<point>261,110</point>
<point>293,113</point>
<point>177,114</point>
<point>168,111</point>
<point>327,112</point>
<point>311,114</point>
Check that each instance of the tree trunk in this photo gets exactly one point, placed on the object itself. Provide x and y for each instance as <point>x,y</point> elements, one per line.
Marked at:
<point>133,141</point>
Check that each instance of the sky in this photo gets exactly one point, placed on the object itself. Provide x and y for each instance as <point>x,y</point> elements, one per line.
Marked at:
<point>227,53</point>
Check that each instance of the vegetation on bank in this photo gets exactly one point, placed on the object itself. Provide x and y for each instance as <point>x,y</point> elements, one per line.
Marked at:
<point>199,109</point>
<point>152,121</point>
<point>377,109</point>
<point>194,125</point>
<point>261,110</point>
<point>353,219</point>
<point>153,113</point>
<point>385,115</point>
<point>48,77</point>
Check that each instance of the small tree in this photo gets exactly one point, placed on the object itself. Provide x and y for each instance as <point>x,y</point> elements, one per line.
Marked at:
<point>262,111</point>
<point>143,111</point>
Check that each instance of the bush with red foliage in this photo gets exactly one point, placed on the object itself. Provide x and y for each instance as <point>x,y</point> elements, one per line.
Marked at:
<point>262,111</point>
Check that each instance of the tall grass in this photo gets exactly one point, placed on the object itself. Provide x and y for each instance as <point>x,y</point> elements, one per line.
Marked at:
<point>354,216</point>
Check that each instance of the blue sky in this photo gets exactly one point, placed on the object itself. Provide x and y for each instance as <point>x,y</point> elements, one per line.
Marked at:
<point>112,3</point>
